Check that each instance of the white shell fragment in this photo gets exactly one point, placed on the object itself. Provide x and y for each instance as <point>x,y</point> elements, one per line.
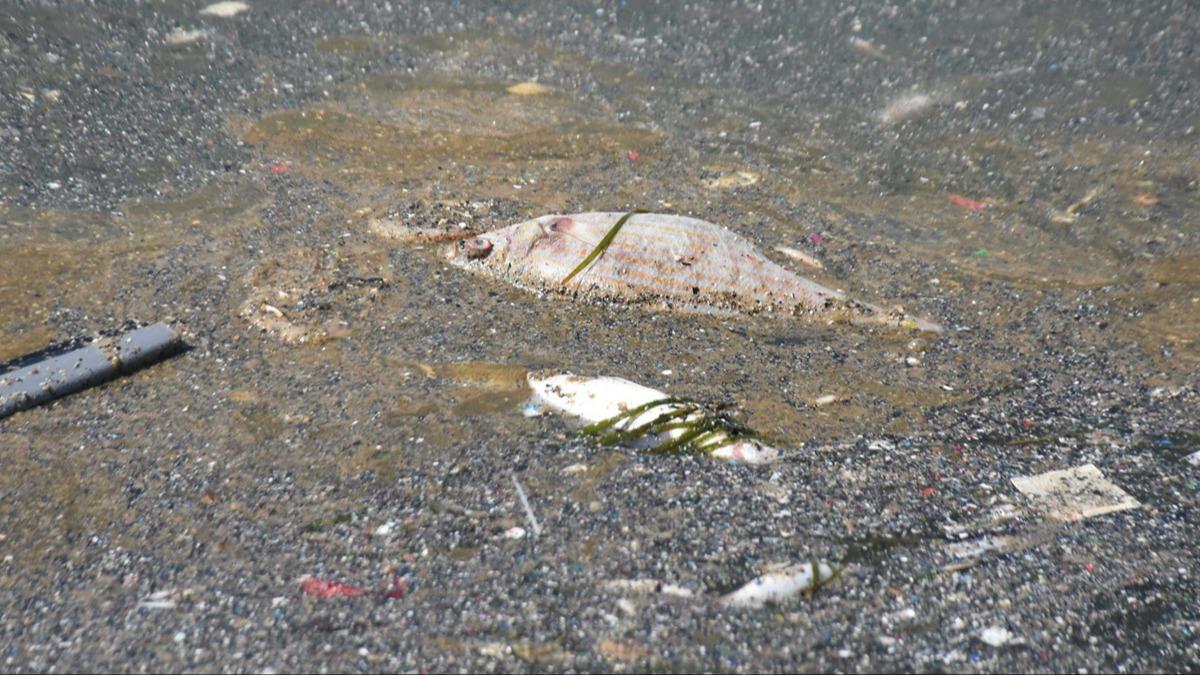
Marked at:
<point>225,9</point>
<point>779,586</point>
<point>1075,494</point>
<point>594,399</point>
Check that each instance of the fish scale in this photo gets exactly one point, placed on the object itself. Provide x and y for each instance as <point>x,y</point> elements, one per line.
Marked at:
<point>660,260</point>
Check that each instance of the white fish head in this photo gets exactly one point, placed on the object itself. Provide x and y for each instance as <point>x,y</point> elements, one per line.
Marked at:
<point>505,246</point>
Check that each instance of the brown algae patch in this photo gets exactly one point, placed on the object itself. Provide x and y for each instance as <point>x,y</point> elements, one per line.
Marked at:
<point>55,258</point>
<point>388,132</point>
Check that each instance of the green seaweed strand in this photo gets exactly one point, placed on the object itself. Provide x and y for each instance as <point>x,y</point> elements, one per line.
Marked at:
<point>707,432</point>
<point>603,245</point>
<point>654,426</point>
<point>699,428</point>
<point>604,425</point>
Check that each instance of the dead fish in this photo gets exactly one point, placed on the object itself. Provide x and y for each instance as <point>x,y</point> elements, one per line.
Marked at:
<point>781,585</point>
<point>659,260</point>
<point>595,399</point>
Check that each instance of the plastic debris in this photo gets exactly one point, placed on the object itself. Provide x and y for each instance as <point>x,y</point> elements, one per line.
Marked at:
<point>158,600</point>
<point>996,636</point>
<point>533,523</point>
<point>1071,213</point>
<point>967,202</point>
<point>324,588</point>
<point>514,532</point>
<point>800,256</point>
<point>225,9</point>
<point>1193,459</point>
<point>530,88</point>
<point>600,399</point>
<point>398,589</point>
<point>779,586</point>
<point>633,155</point>
<point>908,107</point>
<point>1075,494</point>
<point>102,360</point>
<point>975,548</point>
<point>829,399</point>
<point>737,179</point>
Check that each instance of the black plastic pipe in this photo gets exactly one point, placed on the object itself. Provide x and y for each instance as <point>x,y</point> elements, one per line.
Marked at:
<point>99,361</point>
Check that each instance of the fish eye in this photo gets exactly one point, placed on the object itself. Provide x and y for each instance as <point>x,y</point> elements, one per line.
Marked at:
<point>477,248</point>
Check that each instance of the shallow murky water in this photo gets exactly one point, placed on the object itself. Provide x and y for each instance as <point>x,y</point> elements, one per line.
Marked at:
<point>324,351</point>
<point>445,146</point>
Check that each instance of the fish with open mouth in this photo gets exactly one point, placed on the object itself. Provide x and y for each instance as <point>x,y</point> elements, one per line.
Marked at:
<point>659,260</point>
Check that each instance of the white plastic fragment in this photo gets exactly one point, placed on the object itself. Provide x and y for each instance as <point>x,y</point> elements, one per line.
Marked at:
<point>800,256</point>
<point>1193,459</point>
<point>514,532</point>
<point>974,548</point>
<point>779,586</point>
<point>1075,494</point>
<point>996,636</point>
<point>158,600</point>
<point>533,523</point>
<point>225,9</point>
<point>594,399</point>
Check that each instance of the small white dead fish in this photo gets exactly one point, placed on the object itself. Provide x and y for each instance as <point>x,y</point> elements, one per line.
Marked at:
<point>596,399</point>
<point>781,585</point>
<point>659,260</point>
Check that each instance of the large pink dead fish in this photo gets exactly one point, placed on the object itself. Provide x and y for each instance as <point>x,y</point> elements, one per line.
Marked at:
<point>659,260</point>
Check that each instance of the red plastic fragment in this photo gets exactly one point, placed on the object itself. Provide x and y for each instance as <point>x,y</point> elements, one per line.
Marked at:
<point>1025,424</point>
<point>815,238</point>
<point>967,202</point>
<point>1089,567</point>
<point>927,492</point>
<point>633,155</point>
<point>279,167</point>
<point>324,588</point>
<point>399,588</point>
